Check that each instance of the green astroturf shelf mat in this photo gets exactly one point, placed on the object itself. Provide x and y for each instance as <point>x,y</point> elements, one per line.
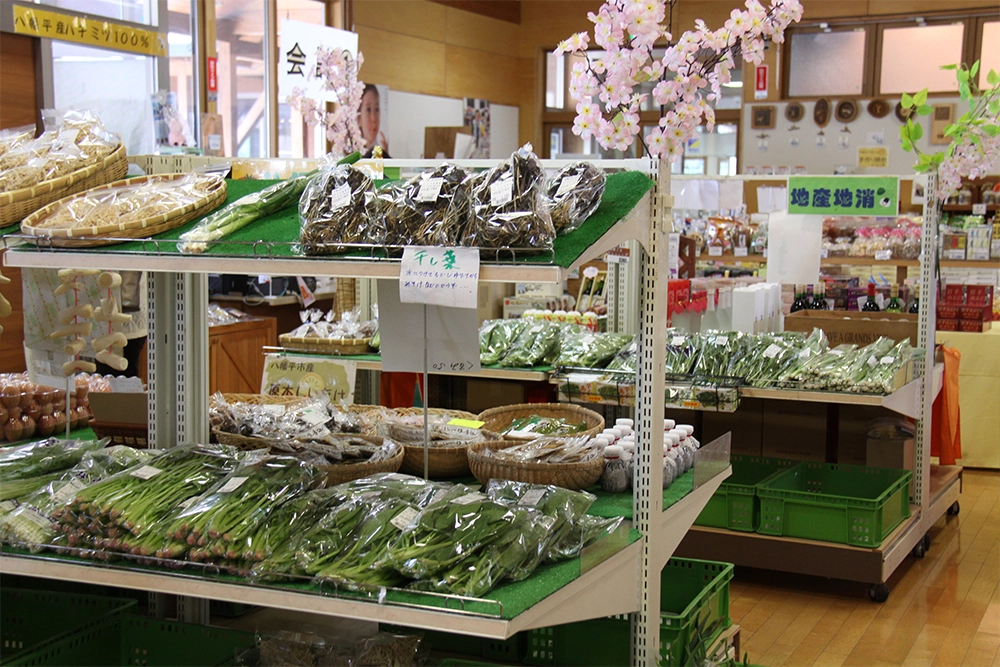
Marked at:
<point>623,191</point>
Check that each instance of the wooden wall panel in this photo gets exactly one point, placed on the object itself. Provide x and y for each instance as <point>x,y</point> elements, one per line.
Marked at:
<point>482,75</point>
<point>508,11</point>
<point>17,72</point>
<point>402,62</point>
<point>481,33</point>
<point>406,17</point>
<point>544,23</point>
<point>883,7</point>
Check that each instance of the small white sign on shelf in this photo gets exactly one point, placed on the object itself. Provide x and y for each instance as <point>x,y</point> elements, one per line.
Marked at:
<point>440,276</point>
<point>979,209</point>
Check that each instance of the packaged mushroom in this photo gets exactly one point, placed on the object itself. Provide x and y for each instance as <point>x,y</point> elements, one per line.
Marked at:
<point>575,193</point>
<point>333,210</point>
<point>512,210</point>
<point>434,208</point>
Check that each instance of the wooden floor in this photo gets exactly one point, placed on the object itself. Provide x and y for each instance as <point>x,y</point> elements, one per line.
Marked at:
<point>943,609</point>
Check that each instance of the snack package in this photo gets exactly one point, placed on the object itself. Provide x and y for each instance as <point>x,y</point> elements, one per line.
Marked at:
<point>575,193</point>
<point>333,210</point>
<point>512,210</point>
<point>434,208</point>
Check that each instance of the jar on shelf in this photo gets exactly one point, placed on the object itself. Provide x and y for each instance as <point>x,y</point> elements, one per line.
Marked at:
<point>965,196</point>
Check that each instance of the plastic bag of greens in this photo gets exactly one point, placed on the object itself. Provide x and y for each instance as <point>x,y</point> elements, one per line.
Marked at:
<point>813,373</point>
<point>537,340</point>
<point>22,462</point>
<point>333,210</point>
<point>567,509</point>
<point>852,377</point>
<point>626,359</point>
<point>433,208</point>
<point>716,350</point>
<point>575,193</point>
<point>582,533</point>
<point>274,543</point>
<point>588,349</point>
<point>682,350</point>
<point>881,375</point>
<point>511,208</point>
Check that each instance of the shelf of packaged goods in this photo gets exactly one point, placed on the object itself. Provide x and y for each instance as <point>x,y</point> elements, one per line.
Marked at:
<point>828,559</point>
<point>967,208</point>
<point>860,261</point>
<point>730,258</point>
<point>608,588</point>
<point>970,264</point>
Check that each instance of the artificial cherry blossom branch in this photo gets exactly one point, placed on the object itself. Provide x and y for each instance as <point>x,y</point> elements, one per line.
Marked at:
<point>339,71</point>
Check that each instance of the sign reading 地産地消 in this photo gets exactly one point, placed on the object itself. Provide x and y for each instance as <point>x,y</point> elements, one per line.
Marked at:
<point>843,195</point>
<point>70,28</point>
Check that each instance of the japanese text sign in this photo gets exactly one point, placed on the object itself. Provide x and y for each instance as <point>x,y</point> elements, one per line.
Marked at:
<point>298,66</point>
<point>68,28</point>
<point>873,156</point>
<point>440,276</point>
<point>843,195</point>
<point>308,376</point>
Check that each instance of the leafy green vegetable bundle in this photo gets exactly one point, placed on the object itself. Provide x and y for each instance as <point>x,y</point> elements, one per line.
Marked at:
<point>588,349</point>
<point>495,336</point>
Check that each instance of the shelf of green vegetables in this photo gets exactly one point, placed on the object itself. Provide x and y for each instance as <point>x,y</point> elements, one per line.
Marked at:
<point>258,529</point>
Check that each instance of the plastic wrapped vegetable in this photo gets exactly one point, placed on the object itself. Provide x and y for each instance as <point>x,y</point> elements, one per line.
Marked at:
<point>626,359</point>
<point>495,336</point>
<point>682,350</point>
<point>333,210</point>
<point>589,349</point>
<point>536,341</point>
<point>548,449</point>
<point>717,349</point>
<point>575,193</point>
<point>242,212</point>
<point>512,210</point>
<point>880,376</point>
<point>43,457</point>
<point>434,208</point>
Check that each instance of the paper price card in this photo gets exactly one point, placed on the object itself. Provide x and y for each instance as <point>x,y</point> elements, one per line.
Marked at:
<point>440,276</point>
<point>308,376</point>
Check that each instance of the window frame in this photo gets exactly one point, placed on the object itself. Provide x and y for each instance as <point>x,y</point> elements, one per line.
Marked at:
<point>880,30</point>
<point>867,84</point>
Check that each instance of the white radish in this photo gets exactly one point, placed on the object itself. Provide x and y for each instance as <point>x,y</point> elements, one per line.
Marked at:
<point>70,313</point>
<point>111,359</point>
<point>78,329</point>
<point>109,279</point>
<point>75,347</point>
<point>78,365</point>
<point>110,340</point>
<point>66,288</point>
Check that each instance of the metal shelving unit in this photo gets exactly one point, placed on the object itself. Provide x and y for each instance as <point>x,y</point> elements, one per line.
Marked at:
<point>935,490</point>
<point>627,582</point>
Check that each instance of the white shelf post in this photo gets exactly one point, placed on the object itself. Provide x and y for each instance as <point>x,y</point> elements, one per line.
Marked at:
<point>648,480</point>
<point>927,323</point>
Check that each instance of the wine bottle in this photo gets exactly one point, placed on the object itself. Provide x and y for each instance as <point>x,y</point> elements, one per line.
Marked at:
<point>894,305</point>
<point>800,302</point>
<point>870,305</point>
<point>915,306</point>
<point>819,300</point>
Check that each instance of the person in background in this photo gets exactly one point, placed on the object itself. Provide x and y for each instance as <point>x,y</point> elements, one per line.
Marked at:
<point>370,120</point>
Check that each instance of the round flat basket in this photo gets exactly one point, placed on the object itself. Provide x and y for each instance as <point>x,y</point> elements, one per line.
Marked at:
<point>498,419</point>
<point>348,472</point>
<point>109,234</point>
<point>325,345</point>
<point>244,442</point>
<point>18,204</point>
<point>573,476</point>
<point>437,412</point>
<point>445,458</point>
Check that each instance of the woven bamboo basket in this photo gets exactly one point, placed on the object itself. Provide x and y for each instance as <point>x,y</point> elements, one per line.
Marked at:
<point>129,435</point>
<point>497,419</point>
<point>348,472</point>
<point>437,412</point>
<point>573,476</point>
<point>325,345</point>
<point>134,229</point>
<point>18,204</point>
<point>445,458</point>
<point>262,399</point>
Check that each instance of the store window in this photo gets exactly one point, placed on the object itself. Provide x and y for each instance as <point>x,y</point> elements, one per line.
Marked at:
<point>826,63</point>
<point>134,11</point>
<point>182,86</point>
<point>295,138</point>
<point>990,51</point>
<point>239,30</point>
<point>912,58</point>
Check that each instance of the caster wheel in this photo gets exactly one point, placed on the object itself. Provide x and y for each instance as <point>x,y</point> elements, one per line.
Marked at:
<point>954,509</point>
<point>918,550</point>
<point>878,592</point>
<point>927,542</point>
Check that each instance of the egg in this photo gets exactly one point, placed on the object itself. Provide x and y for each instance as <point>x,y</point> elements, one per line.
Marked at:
<point>46,425</point>
<point>10,395</point>
<point>28,426</point>
<point>13,429</point>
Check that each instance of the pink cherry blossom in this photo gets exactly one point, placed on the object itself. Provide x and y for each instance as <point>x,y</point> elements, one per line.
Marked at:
<point>339,71</point>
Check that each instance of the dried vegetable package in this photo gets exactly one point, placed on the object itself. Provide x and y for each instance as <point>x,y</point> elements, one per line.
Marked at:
<point>575,193</point>
<point>333,210</point>
<point>434,208</point>
<point>511,207</point>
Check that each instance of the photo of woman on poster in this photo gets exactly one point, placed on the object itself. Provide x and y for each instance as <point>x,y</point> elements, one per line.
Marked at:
<point>370,119</point>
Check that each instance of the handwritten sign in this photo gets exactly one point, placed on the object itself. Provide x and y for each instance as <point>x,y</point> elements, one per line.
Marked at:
<point>104,34</point>
<point>298,64</point>
<point>873,156</point>
<point>308,376</point>
<point>452,335</point>
<point>843,195</point>
<point>440,276</point>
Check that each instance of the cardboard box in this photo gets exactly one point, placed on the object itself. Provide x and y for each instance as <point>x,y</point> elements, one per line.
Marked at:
<point>973,326</point>
<point>976,313</point>
<point>857,328</point>
<point>953,295</point>
<point>945,312</point>
<point>947,325</point>
<point>890,453</point>
<point>794,431</point>
<point>979,295</point>
<point>120,408</point>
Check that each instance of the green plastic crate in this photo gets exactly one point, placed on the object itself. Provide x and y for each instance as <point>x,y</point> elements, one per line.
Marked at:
<point>853,505</point>
<point>735,504</point>
<point>136,640</point>
<point>31,620</point>
<point>689,590</point>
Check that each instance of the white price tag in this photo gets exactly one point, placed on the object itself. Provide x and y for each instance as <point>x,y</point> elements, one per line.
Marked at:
<point>979,209</point>
<point>532,498</point>
<point>872,361</point>
<point>740,252</point>
<point>567,184</point>
<point>469,498</point>
<point>715,251</point>
<point>721,340</point>
<point>146,472</point>
<point>404,518</point>
<point>957,253</point>
<point>68,491</point>
<point>804,354</point>
<point>824,253</point>
<point>276,409</point>
<point>232,484</point>
<point>129,385</point>
<point>764,253</point>
<point>214,142</point>
<point>187,502</point>
<point>315,415</point>
<point>430,188</point>
<point>437,497</point>
<point>340,197</point>
<point>886,361</point>
<point>678,340</point>
<point>315,433</point>
<point>772,351</point>
<point>501,192</point>
<point>883,255</point>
